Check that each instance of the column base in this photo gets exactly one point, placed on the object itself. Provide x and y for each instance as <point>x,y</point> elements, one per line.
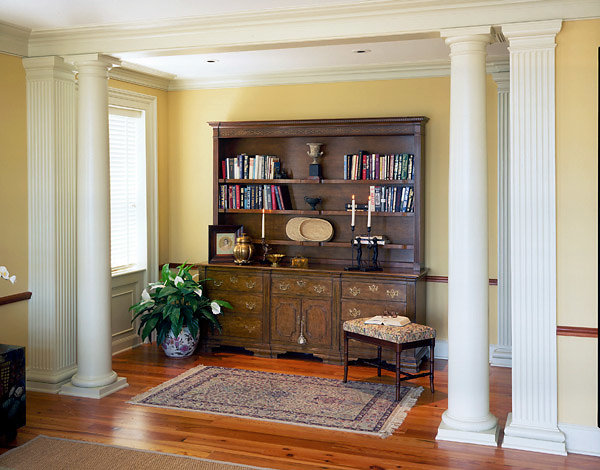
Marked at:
<point>485,438</point>
<point>501,357</point>
<point>94,392</point>
<point>533,439</point>
<point>48,382</point>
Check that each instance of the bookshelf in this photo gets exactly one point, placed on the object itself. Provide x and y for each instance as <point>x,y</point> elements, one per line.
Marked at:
<point>287,141</point>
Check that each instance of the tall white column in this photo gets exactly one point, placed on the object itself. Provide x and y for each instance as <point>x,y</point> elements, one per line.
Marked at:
<point>502,353</point>
<point>95,377</point>
<point>532,425</point>
<point>468,418</point>
<point>51,161</point>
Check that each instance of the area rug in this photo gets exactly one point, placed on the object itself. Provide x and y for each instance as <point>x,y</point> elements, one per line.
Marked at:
<point>361,407</point>
<point>54,453</point>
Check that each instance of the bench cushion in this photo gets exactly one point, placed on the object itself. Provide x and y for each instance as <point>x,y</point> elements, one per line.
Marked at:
<point>393,334</point>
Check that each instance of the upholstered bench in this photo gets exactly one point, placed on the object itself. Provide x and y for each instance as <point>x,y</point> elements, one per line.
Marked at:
<point>398,338</point>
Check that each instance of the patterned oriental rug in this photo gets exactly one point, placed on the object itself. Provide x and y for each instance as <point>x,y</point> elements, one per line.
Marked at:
<point>361,407</point>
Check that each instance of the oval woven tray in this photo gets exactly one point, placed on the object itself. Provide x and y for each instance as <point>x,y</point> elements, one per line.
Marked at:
<point>316,230</point>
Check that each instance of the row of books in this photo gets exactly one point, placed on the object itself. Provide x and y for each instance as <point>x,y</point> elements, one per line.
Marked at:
<point>254,196</point>
<point>250,167</point>
<point>372,166</point>
<point>392,198</point>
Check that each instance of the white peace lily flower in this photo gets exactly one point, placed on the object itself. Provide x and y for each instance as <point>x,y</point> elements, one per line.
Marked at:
<point>198,292</point>
<point>13,278</point>
<point>195,276</point>
<point>4,272</point>
<point>178,280</point>
<point>216,308</point>
<point>146,296</point>
<point>155,285</point>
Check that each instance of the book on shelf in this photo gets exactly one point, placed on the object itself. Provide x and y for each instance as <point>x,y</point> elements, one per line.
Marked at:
<point>245,166</point>
<point>373,166</point>
<point>388,320</point>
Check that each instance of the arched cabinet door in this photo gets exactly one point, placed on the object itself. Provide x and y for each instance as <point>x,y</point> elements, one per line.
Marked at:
<point>285,319</point>
<point>316,315</point>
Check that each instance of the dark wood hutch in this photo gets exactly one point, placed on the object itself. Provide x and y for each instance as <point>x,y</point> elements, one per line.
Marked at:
<point>273,307</point>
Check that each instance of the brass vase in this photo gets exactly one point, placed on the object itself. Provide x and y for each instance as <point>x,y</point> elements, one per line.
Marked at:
<point>242,251</point>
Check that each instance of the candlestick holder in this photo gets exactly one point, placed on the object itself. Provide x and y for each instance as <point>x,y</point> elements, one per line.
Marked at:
<point>265,249</point>
<point>354,244</point>
<point>373,247</point>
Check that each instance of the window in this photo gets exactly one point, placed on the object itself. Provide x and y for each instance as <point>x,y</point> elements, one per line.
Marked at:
<point>128,235</point>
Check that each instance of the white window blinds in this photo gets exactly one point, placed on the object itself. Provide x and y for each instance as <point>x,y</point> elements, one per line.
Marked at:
<point>127,189</point>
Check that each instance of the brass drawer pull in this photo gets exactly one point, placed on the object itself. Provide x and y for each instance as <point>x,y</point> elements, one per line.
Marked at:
<point>218,283</point>
<point>284,286</point>
<point>354,291</point>
<point>250,305</point>
<point>373,287</point>
<point>354,312</point>
<point>319,289</point>
<point>392,293</point>
<point>250,328</point>
<point>233,279</point>
<point>250,284</point>
<point>301,283</point>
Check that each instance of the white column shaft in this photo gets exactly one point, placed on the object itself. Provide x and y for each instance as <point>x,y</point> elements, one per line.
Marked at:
<point>501,356</point>
<point>51,149</point>
<point>468,367</point>
<point>533,424</point>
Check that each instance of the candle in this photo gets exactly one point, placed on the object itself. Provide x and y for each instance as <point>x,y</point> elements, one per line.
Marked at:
<point>263,224</point>
<point>353,210</point>
<point>369,214</point>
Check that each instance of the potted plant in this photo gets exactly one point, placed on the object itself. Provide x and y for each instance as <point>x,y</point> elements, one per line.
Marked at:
<point>175,308</point>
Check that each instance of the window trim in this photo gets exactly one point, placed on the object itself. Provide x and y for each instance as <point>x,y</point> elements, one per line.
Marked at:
<point>148,104</point>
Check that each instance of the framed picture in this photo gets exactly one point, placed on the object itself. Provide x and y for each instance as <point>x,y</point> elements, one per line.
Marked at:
<point>221,240</point>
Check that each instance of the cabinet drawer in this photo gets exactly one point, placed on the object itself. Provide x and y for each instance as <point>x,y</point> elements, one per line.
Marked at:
<point>352,309</point>
<point>246,303</point>
<point>376,290</point>
<point>241,326</point>
<point>304,286</point>
<point>234,281</point>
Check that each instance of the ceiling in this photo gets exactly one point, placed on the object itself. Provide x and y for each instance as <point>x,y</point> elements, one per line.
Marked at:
<point>270,41</point>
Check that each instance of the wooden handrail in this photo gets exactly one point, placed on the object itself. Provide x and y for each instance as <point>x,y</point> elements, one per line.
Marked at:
<point>579,331</point>
<point>9,299</point>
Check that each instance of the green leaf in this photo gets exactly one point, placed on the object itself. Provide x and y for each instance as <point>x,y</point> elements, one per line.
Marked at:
<point>168,290</point>
<point>149,327</point>
<point>223,303</point>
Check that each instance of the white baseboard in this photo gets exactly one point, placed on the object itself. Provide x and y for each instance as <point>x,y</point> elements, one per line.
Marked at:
<point>581,439</point>
<point>441,349</point>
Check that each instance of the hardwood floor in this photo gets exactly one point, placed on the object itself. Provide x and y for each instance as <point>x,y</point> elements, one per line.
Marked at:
<point>265,444</point>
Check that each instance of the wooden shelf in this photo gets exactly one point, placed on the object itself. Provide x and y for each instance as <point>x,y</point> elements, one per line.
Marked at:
<point>309,212</point>
<point>316,181</point>
<point>388,246</point>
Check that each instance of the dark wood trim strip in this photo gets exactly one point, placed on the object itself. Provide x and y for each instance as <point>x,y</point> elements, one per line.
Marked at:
<point>579,331</point>
<point>9,299</point>
<point>444,279</point>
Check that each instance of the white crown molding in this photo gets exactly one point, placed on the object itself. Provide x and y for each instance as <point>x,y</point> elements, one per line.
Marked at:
<point>438,68</point>
<point>14,39</point>
<point>581,439</point>
<point>374,19</point>
<point>139,75</point>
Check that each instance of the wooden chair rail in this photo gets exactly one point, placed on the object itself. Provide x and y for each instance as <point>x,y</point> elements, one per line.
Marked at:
<point>9,299</point>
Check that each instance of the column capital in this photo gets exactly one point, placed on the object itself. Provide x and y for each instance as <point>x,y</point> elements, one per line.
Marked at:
<point>468,34</point>
<point>48,67</point>
<point>93,59</point>
<point>531,35</point>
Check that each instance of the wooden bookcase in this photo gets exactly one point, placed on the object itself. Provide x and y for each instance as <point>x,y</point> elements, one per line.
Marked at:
<point>282,309</point>
<point>287,140</point>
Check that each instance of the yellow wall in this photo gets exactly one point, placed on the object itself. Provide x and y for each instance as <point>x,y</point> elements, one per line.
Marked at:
<point>577,216</point>
<point>162,107</point>
<point>13,199</point>
<point>190,156</point>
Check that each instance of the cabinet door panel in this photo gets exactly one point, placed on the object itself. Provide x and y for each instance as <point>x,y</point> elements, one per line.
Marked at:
<point>317,321</point>
<point>375,290</point>
<point>285,319</point>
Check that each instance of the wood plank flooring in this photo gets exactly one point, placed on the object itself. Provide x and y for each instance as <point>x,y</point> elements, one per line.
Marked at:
<point>279,446</point>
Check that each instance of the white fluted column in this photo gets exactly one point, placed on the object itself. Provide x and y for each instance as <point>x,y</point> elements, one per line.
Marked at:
<point>533,423</point>
<point>95,377</point>
<point>502,353</point>
<point>468,418</point>
<point>51,162</point>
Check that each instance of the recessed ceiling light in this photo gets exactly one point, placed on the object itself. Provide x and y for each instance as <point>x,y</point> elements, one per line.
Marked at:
<point>212,61</point>
<point>361,51</point>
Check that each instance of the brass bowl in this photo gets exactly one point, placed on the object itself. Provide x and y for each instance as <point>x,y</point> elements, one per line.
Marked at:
<point>275,258</point>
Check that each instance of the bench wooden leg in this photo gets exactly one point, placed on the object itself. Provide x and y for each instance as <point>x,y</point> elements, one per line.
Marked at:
<point>345,357</point>
<point>431,363</point>
<point>378,361</point>
<point>398,350</point>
